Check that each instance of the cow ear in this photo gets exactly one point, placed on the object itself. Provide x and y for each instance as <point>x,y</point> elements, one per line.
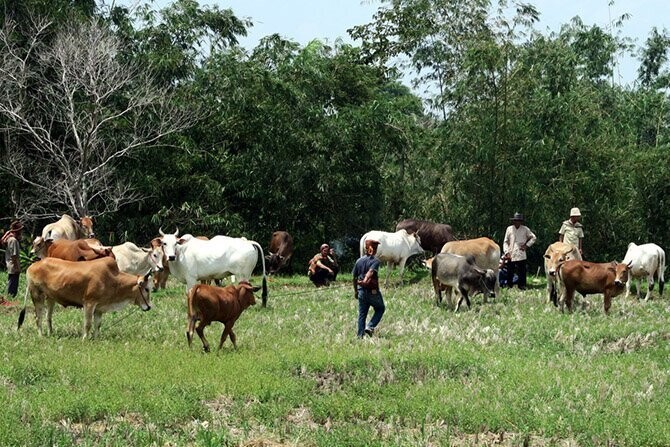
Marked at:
<point>181,241</point>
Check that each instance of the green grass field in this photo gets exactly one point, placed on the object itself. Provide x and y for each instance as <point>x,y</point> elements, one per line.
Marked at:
<point>511,372</point>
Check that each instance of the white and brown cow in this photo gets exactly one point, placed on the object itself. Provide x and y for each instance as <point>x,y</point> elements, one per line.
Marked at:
<point>98,286</point>
<point>66,228</point>
<point>555,254</point>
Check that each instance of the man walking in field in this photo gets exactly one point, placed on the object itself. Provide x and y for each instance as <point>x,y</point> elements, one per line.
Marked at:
<point>366,289</point>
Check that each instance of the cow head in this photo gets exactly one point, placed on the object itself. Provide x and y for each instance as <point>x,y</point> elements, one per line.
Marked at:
<point>86,226</point>
<point>556,254</point>
<point>41,247</point>
<point>275,262</point>
<point>414,244</point>
<point>156,254</point>
<point>245,293</point>
<point>169,243</point>
<point>621,273</point>
<point>145,285</point>
<point>486,280</point>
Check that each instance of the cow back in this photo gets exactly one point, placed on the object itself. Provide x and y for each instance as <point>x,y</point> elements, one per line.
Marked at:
<point>485,251</point>
<point>77,250</point>
<point>432,235</point>
<point>393,247</point>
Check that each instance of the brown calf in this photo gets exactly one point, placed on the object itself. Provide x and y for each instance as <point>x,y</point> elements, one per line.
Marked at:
<point>225,304</point>
<point>588,277</point>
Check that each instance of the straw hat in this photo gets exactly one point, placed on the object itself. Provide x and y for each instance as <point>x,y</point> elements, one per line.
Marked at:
<point>16,226</point>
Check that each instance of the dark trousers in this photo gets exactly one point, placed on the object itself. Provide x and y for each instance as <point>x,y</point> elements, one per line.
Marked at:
<point>13,284</point>
<point>322,277</point>
<point>518,267</point>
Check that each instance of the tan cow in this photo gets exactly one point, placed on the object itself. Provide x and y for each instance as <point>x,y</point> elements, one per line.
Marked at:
<point>557,253</point>
<point>66,228</point>
<point>98,286</point>
<point>485,251</point>
<point>225,304</point>
<point>587,278</point>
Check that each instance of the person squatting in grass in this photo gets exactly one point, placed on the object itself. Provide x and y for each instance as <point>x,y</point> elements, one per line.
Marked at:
<point>323,268</point>
<point>366,289</point>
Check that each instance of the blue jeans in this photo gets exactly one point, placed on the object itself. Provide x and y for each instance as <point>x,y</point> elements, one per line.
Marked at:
<point>366,299</point>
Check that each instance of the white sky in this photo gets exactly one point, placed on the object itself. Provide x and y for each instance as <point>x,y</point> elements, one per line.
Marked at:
<point>304,20</point>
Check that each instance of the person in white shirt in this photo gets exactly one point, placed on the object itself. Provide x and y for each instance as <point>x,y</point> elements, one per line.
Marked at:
<point>518,238</point>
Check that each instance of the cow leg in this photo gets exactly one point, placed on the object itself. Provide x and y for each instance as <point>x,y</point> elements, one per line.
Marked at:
<point>464,292</point>
<point>437,286</point>
<point>628,283</point>
<point>50,312</point>
<point>388,272</point>
<point>189,330</point>
<point>607,301</point>
<point>200,329</point>
<point>89,310</point>
<point>650,286</point>
<point>227,329</point>
<point>401,269</point>
<point>97,321</point>
<point>39,315</point>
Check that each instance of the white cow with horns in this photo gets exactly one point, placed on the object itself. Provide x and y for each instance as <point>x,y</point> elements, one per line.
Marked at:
<point>645,260</point>
<point>192,260</point>
<point>394,248</point>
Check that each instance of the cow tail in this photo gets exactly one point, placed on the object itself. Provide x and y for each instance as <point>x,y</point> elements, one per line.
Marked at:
<point>661,269</point>
<point>22,314</point>
<point>264,296</point>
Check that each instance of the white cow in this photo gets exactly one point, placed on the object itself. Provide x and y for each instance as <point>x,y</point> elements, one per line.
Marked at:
<point>394,248</point>
<point>645,260</point>
<point>135,260</point>
<point>192,260</point>
<point>65,228</point>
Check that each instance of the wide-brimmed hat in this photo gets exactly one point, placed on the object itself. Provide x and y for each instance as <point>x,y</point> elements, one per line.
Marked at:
<point>575,212</point>
<point>16,226</point>
<point>517,216</point>
<point>371,243</point>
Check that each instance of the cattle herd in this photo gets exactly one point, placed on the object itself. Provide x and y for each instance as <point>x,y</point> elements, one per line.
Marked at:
<point>75,269</point>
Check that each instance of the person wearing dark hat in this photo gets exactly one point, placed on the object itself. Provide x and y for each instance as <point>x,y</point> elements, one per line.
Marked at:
<point>518,238</point>
<point>572,232</point>
<point>12,241</point>
<point>366,289</point>
<point>323,267</point>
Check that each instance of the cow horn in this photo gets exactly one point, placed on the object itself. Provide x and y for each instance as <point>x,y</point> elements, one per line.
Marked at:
<point>176,233</point>
<point>160,231</point>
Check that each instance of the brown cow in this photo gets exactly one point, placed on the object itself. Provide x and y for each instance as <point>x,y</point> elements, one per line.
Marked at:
<point>587,277</point>
<point>78,250</point>
<point>433,235</point>
<point>556,253</point>
<point>224,304</point>
<point>281,251</point>
<point>98,286</point>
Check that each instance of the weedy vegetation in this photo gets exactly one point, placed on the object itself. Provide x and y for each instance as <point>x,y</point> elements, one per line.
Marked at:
<point>512,372</point>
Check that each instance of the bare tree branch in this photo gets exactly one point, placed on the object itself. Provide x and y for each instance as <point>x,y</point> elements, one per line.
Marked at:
<point>72,110</point>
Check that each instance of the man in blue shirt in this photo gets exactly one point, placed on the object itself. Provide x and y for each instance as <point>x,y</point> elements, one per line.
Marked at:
<point>366,289</point>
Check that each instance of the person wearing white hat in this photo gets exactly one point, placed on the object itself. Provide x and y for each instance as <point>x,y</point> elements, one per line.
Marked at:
<point>572,232</point>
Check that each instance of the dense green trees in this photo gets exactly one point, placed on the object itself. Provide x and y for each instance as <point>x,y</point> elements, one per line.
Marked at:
<point>325,141</point>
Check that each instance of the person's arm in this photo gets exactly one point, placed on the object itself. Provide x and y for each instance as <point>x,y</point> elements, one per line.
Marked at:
<point>531,238</point>
<point>560,238</point>
<point>506,241</point>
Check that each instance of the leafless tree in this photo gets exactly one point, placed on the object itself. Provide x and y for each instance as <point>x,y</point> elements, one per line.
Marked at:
<point>70,110</point>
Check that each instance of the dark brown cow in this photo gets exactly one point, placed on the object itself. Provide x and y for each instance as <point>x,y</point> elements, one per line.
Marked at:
<point>78,250</point>
<point>224,304</point>
<point>281,251</point>
<point>587,277</point>
<point>433,235</point>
